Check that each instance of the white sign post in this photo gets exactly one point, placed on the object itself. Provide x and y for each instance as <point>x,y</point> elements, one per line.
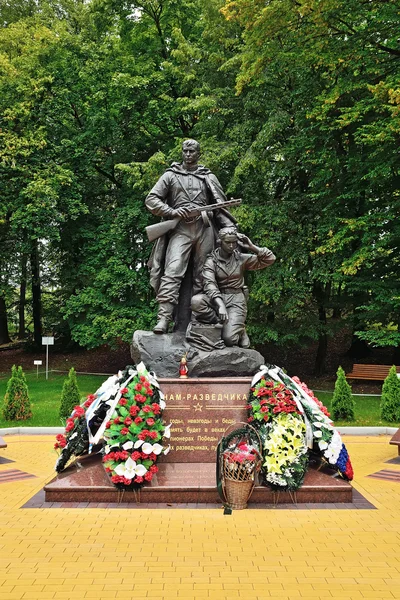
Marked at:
<point>47,341</point>
<point>37,363</point>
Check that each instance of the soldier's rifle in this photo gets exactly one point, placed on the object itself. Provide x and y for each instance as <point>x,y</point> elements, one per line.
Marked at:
<point>158,229</point>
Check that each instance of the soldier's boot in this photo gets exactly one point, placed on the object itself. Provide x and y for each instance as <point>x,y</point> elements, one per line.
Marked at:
<point>244,340</point>
<point>165,311</point>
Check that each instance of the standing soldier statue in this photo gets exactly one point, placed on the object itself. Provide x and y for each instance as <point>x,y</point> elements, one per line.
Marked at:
<point>191,201</point>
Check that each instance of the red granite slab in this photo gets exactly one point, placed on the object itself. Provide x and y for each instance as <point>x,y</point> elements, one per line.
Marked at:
<point>200,410</point>
<point>86,481</point>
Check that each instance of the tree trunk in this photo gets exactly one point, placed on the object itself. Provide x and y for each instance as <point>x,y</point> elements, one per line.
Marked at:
<point>36,295</point>
<point>320,359</point>
<point>4,336</point>
<point>322,294</point>
<point>22,298</point>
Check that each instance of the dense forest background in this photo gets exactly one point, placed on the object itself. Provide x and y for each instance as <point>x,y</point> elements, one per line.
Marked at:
<point>296,105</point>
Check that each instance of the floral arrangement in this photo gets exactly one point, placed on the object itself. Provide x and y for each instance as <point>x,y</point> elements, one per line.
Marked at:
<point>274,412</point>
<point>327,442</point>
<point>133,434</point>
<point>291,422</point>
<point>75,440</point>
<point>240,461</point>
<point>125,412</point>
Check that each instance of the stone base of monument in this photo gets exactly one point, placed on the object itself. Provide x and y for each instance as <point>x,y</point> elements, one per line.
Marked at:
<point>200,410</point>
<point>177,483</point>
<point>162,354</point>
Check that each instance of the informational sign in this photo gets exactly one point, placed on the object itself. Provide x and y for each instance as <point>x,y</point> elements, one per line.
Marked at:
<point>47,341</point>
<point>37,363</point>
<point>201,411</point>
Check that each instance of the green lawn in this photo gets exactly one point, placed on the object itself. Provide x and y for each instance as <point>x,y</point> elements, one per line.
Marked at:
<point>367,411</point>
<point>46,395</point>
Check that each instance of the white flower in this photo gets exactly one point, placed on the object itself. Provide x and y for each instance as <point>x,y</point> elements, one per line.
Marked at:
<point>167,449</point>
<point>167,431</point>
<point>162,404</point>
<point>316,424</point>
<point>137,444</point>
<point>317,434</point>
<point>128,445</point>
<point>107,449</point>
<point>73,435</point>
<point>322,444</point>
<point>147,448</point>
<point>157,449</point>
<point>130,469</point>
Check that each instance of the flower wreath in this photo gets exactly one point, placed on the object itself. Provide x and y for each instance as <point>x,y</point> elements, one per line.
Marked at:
<point>133,434</point>
<point>276,415</point>
<point>126,411</point>
<point>291,422</point>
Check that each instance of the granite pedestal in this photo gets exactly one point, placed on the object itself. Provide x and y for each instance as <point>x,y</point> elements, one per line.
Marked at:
<point>201,410</point>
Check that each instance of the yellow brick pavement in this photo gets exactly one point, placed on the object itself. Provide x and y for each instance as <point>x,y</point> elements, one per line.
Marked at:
<point>180,554</point>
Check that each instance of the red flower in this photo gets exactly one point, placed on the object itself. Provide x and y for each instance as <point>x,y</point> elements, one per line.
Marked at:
<point>156,408</point>
<point>123,402</point>
<point>153,435</point>
<point>108,425</point>
<point>70,425</point>
<point>128,421</point>
<point>138,420</point>
<point>152,456</point>
<point>138,387</point>
<point>124,431</point>
<point>133,411</point>
<point>123,391</point>
<point>117,421</point>
<point>150,421</point>
<point>136,455</point>
<point>153,469</point>
<point>143,379</point>
<point>269,384</point>
<point>89,400</point>
<point>146,409</point>
<point>148,476</point>
<point>139,479</point>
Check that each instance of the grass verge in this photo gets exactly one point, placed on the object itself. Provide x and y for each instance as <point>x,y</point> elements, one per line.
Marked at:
<point>45,399</point>
<point>45,396</point>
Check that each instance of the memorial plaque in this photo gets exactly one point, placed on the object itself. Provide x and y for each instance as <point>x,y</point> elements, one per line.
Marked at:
<point>201,410</point>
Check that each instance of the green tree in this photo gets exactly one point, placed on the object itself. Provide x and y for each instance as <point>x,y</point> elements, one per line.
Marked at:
<point>390,399</point>
<point>16,400</point>
<point>70,395</point>
<point>342,400</point>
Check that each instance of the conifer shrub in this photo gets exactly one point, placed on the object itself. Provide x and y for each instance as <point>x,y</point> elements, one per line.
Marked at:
<point>70,395</point>
<point>390,399</point>
<point>342,400</point>
<point>17,406</point>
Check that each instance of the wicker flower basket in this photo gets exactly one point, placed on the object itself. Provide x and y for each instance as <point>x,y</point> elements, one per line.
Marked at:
<point>239,477</point>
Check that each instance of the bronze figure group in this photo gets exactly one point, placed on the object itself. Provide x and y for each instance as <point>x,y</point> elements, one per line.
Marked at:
<point>199,233</point>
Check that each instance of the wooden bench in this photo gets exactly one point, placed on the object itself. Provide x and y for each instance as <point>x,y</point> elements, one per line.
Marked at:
<point>2,443</point>
<point>395,441</point>
<point>372,372</point>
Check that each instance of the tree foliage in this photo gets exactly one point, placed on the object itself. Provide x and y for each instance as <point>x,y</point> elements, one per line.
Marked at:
<point>342,400</point>
<point>17,405</point>
<point>390,399</point>
<point>70,395</point>
<point>296,106</point>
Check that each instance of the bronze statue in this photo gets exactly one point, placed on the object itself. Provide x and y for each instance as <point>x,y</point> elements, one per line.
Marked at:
<point>180,195</point>
<point>224,299</point>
